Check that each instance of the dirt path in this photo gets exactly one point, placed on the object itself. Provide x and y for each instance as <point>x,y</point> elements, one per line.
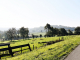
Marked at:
<point>74,55</point>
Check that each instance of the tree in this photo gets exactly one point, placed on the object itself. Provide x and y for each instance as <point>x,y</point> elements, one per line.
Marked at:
<point>24,32</point>
<point>70,32</point>
<point>48,30</point>
<point>51,31</point>
<point>40,35</point>
<point>45,36</point>
<point>63,32</point>
<point>49,34</point>
<point>27,32</point>
<point>1,36</point>
<point>11,33</point>
<point>77,30</point>
<point>36,36</point>
<point>55,31</point>
<point>47,27</point>
<point>18,32</point>
<point>33,36</point>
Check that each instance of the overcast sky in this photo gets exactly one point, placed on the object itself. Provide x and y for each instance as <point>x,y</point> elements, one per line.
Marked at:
<point>35,13</point>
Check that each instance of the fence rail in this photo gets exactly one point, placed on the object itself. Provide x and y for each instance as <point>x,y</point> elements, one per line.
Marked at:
<point>10,49</point>
<point>4,44</point>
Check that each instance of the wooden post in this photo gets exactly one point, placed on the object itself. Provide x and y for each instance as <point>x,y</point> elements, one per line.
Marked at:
<point>0,57</point>
<point>10,50</point>
<point>3,52</point>
<point>29,48</point>
<point>33,47</point>
<point>21,50</point>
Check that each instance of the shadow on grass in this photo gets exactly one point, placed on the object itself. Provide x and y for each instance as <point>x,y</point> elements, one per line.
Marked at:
<point>13,41</point>
<point>26,39</point>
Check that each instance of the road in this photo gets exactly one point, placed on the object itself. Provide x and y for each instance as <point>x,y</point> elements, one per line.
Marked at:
<point>74,55</point>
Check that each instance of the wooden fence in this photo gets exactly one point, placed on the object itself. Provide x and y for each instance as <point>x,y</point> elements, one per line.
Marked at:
<point>51,42</point>
<point>10,49</point>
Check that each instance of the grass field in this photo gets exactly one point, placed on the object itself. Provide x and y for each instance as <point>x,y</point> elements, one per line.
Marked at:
<point>43,33</point>
<point>57,51</point>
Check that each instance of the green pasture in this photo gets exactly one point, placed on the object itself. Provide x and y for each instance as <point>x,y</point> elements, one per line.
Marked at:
<point>43,33</point>
<point>55,51</point>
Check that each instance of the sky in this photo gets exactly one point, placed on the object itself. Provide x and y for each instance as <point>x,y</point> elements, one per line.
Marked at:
<point>36,13</point>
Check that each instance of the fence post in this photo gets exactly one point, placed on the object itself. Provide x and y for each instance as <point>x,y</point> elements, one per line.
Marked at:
<point>33,47</point>
<point>29,47</point>
<point>0,57</point>
<point>10,50</point>
<point>21,50</point>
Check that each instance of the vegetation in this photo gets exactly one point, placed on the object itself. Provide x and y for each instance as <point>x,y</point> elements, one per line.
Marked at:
<point>41,29</point>
<point>24,32</point>
<point>11,33</point>
<point>77,30</point>
<point>37,33</point>
<point>50,31</point>
<point>70,32</point>
<point>40,35</point>
<point>55,51</point>
<point>63,45</point>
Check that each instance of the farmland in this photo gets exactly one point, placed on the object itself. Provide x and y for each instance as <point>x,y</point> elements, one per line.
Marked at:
<point>43,33</point>
<point>56,51</point>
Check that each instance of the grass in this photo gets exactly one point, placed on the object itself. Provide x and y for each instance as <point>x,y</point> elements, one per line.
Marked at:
<point>55,51</point>
<point>43,33</point>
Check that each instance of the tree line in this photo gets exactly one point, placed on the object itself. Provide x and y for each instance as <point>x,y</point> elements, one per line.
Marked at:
<point>12,33</point>
<point>50,31</point>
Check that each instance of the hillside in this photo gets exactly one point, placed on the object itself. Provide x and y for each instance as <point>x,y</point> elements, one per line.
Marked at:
<point>43,51</point>
<point>41,29</point>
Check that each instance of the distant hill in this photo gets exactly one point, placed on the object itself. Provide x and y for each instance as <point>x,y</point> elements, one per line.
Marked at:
<point>41,29</point>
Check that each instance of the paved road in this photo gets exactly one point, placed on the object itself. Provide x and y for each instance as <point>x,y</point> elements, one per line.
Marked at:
<point>74,55</point>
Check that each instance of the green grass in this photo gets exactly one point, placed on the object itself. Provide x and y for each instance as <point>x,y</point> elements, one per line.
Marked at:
<point>55,51</point>
<point>43,33</point>
<point>30,41</point>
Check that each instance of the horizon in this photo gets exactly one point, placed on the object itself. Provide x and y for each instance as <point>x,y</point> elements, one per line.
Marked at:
<point>31,14</point>
<point>5,29</point>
